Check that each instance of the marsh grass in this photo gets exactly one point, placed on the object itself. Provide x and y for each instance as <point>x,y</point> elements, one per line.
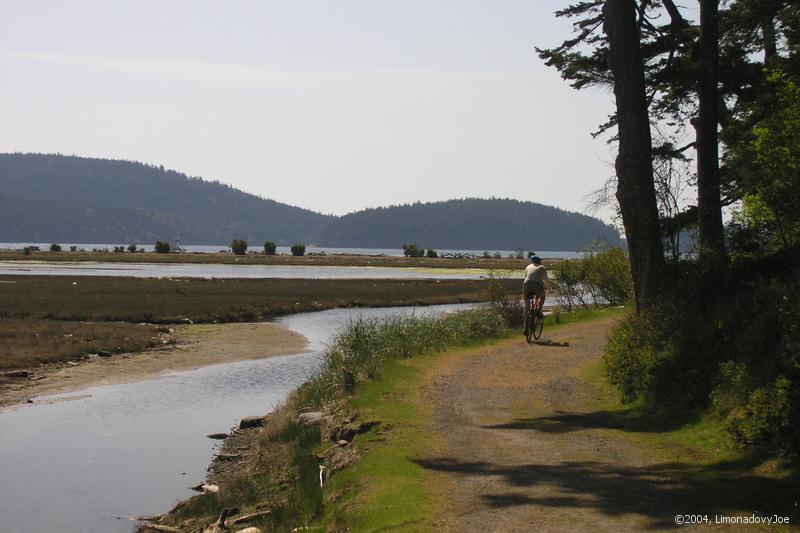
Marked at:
<point>164,300</point>
<point>29,342</point>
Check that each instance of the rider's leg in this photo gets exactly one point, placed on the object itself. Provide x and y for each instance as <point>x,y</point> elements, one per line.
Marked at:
<point>526,305</point>
<point>540,304</point>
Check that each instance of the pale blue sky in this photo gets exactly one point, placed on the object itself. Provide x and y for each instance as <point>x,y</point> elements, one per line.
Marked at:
<point>330,105</point>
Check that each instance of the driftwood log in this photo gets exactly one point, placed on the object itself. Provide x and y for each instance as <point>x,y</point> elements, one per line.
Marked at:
<point>158,527</point>
<point>252,516</point>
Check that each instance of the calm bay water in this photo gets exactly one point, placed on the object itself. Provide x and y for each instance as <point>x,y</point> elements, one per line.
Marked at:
<point>77,466</point>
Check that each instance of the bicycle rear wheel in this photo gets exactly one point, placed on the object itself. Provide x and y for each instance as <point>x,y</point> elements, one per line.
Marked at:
<point>538,325</point>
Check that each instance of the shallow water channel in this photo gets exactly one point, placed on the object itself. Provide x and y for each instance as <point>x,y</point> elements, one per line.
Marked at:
<point>82,465</point>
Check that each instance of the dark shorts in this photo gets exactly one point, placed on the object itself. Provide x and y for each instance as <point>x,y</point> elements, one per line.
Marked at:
<point>532,288</point>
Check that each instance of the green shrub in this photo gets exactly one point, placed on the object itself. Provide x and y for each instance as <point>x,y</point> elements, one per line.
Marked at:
<point>571,284</point>
<point>73,248</point>
<point>631,356</point>
<point>239,246</point>
<point>298,250</point>
<point>508,306</point>
<point>270,248</point>
<point>55,247</point>
<point>431,254</point>
<point>722,340</point>
<point>132,248</point>
<point>769,417</point>
<point>162,247</point>
<point>119,249</point>
<point>412,250</point>
<point>607,274</point>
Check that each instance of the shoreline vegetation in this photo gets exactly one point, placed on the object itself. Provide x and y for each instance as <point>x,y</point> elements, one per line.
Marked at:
<point>279,479</point>
<point>486,263</point>
<point>292,469</point>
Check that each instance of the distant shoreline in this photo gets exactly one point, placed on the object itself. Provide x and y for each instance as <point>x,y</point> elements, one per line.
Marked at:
<point>490,263</point>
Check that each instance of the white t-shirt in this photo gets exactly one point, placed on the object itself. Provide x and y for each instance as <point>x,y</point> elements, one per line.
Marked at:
<point>535,273</point>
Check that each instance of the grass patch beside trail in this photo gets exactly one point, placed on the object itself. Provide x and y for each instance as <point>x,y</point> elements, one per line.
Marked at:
<point>386,489</point>
<point>560,318</point>
<point>692,432</point>
<point>25,343</point>
<point>697,446</point>
<point>162,300</point>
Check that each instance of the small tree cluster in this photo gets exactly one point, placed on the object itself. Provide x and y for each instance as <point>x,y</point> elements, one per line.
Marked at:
<point>412,250</point>
<point>55,247</point>
<point>239,246</point>
<point>270,248</point>
<point>298,249</point>
<point>162,247</point>
<point>132,248</point>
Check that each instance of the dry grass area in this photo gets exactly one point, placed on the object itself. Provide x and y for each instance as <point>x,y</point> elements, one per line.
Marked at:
<point>158,300</point>
<point>29,342</point>
<point>262,259</point>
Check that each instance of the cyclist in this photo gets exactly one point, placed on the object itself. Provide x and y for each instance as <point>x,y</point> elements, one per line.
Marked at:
<point>533,288</point>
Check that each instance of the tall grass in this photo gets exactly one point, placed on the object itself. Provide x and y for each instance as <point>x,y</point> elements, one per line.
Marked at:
<point>365,344</point>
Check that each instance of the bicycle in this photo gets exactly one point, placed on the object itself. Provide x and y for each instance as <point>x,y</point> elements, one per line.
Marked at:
<point>534,325</point>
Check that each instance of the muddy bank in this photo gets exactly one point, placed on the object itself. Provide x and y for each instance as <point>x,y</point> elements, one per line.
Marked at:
<point>194,346</point>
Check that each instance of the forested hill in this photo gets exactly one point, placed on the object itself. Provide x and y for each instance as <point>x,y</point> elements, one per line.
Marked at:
<point>46,198</point>
<point>471,223</point>
<point>54,198</point>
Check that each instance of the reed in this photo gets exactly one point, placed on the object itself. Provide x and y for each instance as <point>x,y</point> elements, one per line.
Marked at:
<point>365,344</point>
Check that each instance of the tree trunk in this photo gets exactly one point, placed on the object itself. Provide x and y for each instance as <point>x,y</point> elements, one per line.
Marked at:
<point>635,189</point>
<point>712,243</point>
<point>768,36</point>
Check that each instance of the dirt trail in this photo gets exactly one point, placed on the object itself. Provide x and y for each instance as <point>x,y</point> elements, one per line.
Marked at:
<point>525,452</point>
